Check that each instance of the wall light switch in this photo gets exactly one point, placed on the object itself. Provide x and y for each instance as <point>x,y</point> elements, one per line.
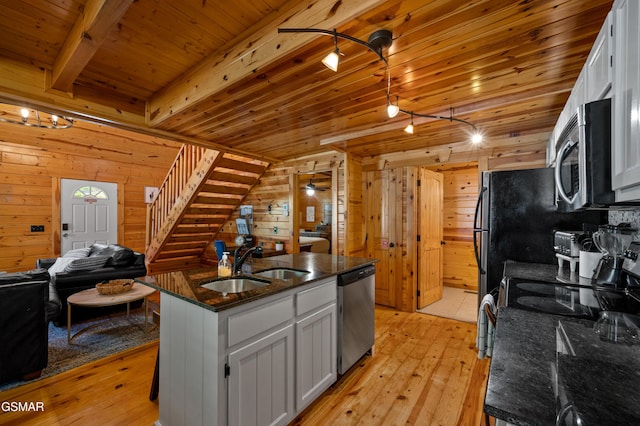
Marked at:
<point>285,209</point>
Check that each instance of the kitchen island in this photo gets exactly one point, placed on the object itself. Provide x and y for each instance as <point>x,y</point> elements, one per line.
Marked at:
<point>255,357</point>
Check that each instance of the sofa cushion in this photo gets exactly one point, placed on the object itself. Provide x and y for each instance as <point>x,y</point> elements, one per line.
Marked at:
<point>118,255</point>
<point>70,264</point>
<point>78,253</point>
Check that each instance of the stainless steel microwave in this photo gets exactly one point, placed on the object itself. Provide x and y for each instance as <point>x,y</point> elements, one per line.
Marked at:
<point>583,160</point>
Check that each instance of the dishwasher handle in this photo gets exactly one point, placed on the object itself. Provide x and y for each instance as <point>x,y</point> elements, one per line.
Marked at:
<point>356,275</point>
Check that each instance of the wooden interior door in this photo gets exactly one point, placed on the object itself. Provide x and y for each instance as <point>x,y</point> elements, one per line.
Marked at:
<point>384,212</point>
<point>430,208</point>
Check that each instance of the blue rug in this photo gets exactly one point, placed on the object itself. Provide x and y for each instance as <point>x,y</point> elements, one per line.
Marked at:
<point>97,338</point>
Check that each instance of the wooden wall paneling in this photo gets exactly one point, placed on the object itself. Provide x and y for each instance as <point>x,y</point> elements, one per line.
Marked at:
<point>280,185</point>
<point>353,213</point>
<point>460,191</point>
<point>33,161</point>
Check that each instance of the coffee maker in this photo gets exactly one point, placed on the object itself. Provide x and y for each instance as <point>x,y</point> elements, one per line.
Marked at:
<point>613,241</point>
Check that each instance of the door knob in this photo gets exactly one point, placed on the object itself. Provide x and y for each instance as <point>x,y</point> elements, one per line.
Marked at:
<point>65,235</point>
<point>391,245</point>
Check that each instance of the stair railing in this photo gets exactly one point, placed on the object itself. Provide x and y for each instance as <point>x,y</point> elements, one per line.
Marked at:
<point>169,192</point>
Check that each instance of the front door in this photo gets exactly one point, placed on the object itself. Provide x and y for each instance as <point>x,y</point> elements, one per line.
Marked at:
<point>430,245</point>
<point>88,212</point>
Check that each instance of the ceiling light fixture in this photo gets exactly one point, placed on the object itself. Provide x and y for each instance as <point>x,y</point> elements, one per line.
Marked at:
<point>31,117</point>
<point>393,110</point>
<point>332,59</point>
<point>377,41</point>
<point>409,128</point>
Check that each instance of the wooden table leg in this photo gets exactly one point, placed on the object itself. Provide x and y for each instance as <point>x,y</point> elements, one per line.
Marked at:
<point>146,314</point>
<point>68,322</point>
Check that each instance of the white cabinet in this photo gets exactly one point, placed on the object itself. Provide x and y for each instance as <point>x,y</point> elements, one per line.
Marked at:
<point>626,101</point>
<point>261,380</point>
<point>593,83</point>
<point>599,66</point>
<point>260,365</point>
<point>316,342</point>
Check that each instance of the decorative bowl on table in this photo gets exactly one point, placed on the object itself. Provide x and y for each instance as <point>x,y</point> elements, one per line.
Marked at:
<point>114,286</point>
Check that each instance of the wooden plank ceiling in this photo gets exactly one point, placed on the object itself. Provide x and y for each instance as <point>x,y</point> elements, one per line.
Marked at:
<point>219,75</point>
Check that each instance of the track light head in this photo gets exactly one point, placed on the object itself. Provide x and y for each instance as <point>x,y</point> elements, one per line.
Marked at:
<point>331,60</point>
<point>409,128</point>
<point>392,110</point>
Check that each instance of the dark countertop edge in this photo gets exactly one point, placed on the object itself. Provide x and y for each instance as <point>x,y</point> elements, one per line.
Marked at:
<point>277,286</point>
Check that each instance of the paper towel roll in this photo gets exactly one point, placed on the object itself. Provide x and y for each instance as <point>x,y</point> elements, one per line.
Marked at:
<point>588,263</point>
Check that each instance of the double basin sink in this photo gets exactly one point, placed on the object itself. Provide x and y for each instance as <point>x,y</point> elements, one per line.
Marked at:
<point>242,283</point>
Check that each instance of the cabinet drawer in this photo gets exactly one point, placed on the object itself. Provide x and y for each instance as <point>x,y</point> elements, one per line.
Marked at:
<point>248,324</point>
<point>308,300</point>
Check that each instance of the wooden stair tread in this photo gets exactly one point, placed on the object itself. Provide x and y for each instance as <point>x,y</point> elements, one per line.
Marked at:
<point>208,195</point>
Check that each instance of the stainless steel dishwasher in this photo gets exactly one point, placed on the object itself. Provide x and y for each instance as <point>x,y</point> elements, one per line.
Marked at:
<point>356,331</point>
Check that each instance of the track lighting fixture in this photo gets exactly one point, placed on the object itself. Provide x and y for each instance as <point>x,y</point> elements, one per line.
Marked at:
<point>377,41</point>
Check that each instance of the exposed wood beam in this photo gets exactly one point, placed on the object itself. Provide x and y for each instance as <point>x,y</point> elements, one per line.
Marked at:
<point>92,27</point>
<point>253,50</point>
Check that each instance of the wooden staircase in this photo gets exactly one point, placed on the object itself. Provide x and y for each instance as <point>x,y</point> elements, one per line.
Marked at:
<point>196,199</point>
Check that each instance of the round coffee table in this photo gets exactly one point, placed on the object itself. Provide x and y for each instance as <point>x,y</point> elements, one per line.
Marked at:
<point>90,298</point>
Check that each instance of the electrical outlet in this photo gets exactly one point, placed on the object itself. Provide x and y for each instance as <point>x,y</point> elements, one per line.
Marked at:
<point>37,228</point>
<point>275,229</point>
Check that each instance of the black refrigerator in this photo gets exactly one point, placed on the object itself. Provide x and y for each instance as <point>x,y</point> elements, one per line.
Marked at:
<point>516,215</point>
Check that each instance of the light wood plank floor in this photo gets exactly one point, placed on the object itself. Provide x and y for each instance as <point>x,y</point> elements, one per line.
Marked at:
<point>424,371</point>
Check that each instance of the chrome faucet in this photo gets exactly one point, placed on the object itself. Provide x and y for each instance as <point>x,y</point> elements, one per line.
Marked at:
<point>238,260</point>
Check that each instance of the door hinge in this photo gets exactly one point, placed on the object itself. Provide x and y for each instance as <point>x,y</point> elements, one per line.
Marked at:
<point>417,237</point>
<point>227,370</point>
<point>418,293</point>
<point>418,182</point>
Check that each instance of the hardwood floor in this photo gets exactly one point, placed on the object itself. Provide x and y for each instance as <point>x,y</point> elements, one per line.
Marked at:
<point>424,371</point>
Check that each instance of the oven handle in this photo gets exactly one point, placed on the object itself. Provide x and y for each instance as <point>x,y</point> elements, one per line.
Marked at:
<point>561,154</point>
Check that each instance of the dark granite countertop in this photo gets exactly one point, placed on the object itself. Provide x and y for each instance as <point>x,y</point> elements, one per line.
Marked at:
<point>544,272</point>
<point>187,284</point>
<point>542,363</point>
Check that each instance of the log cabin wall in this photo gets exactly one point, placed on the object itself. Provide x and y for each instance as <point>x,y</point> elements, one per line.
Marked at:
<point>32,162</point>
<point>460,192</point>
<point>276,188</point>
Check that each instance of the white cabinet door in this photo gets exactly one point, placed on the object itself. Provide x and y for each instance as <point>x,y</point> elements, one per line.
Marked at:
<point>261,380</point>
<point>316,355</point>
<point>599,65</point>
<point>626,101</point>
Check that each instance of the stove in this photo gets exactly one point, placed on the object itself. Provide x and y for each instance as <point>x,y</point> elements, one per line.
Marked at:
<point>552,298</point>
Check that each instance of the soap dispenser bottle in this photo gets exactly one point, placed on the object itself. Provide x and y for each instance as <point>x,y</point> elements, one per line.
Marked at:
<point>224,265</point>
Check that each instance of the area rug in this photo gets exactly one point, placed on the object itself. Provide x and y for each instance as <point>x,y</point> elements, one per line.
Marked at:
<point>97,338</point>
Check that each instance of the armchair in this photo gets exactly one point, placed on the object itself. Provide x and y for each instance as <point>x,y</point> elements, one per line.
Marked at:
<point>27,303</point>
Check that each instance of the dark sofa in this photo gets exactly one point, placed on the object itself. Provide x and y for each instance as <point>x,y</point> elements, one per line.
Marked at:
<point>121,262</point>
<point>28,301</point>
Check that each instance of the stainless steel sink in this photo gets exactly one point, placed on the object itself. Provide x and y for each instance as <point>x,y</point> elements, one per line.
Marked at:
<point>235,284</point>
<point>282,273</point>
